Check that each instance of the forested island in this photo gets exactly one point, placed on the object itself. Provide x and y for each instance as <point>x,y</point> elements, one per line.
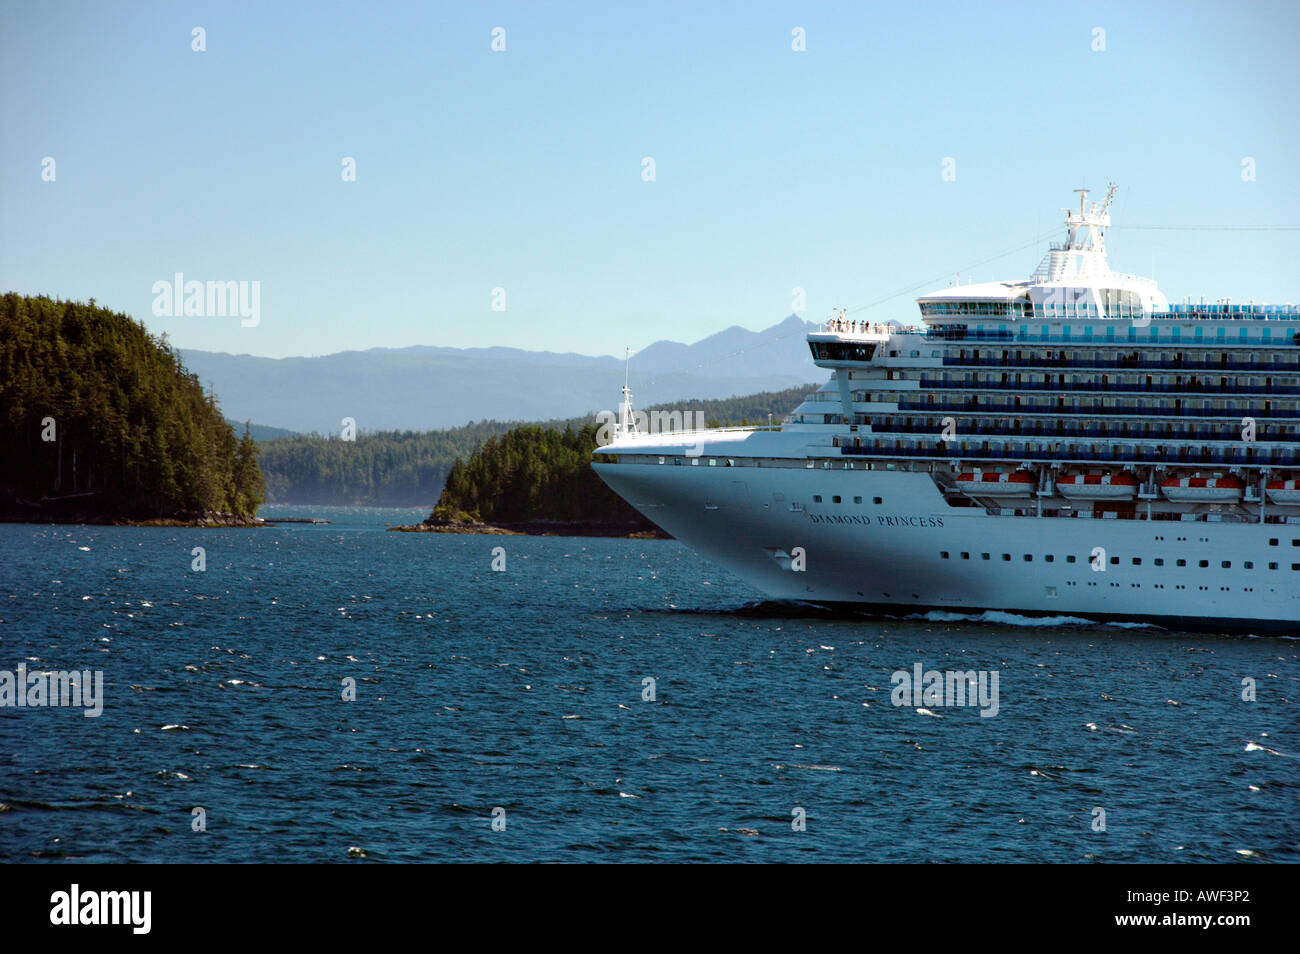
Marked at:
<point>100,422</point>
<point>536,479</point>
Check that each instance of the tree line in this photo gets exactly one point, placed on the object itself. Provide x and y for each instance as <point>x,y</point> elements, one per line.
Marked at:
<point>383,468</point>
<point>410,468</point>
<point>95,408</point>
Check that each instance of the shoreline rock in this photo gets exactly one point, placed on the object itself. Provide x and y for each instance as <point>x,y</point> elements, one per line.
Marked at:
<point>539,528</point>
<point>56,515</point>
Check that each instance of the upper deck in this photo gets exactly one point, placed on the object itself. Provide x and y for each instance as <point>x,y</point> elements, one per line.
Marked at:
<point>1073,298</point>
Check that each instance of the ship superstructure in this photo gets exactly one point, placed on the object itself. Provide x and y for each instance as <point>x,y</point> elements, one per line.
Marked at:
<point>1069,444</point>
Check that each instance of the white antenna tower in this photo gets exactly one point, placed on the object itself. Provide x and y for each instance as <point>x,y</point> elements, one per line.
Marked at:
<point>626,419</point>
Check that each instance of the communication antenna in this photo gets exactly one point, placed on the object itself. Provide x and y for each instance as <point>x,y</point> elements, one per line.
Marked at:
<point>1110,197</point>
<point>626,419</point>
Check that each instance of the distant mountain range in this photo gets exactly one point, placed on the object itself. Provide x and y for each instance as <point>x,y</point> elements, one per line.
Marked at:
<point>424,387</point>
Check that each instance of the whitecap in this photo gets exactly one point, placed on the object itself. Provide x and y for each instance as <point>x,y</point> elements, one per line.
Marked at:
<point>1015,619</point>
<point>1256,747</point>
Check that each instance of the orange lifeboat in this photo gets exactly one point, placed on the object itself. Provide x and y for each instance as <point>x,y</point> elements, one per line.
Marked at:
<point>1202,489</point>
<point>1286,492</point>
<point>1122,486</point>
<point>994,483</point>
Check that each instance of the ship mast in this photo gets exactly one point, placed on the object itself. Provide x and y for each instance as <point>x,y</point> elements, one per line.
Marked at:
<point>626,419</point>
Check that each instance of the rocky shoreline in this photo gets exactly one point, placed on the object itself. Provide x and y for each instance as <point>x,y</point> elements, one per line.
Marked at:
<point>540,528</point>
<point>15,510</point>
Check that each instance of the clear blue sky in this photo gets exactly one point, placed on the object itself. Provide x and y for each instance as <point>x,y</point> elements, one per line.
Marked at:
<point>522,169</point>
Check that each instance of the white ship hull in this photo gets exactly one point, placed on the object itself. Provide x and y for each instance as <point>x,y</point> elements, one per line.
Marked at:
<point>889,556</point>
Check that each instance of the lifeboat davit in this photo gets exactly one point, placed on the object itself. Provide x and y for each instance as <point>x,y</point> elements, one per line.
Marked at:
<point>1097,486</point>
<point>994,483</point>
<point>1202,489</point>
<point>1284,492</point>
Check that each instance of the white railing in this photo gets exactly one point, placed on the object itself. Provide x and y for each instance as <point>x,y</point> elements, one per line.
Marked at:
<point>847,326</point>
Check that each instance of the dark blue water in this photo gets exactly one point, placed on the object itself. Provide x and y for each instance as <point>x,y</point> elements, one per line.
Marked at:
<point>522,690</point>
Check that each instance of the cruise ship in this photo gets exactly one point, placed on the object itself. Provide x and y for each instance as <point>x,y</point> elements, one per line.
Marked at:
<point>1067,445</point>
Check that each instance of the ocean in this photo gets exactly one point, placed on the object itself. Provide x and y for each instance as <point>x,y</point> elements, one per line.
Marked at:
<point>337,693</point>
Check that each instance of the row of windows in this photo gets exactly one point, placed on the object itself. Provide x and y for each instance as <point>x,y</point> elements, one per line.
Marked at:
<point>1060,404</point>
<point>1074,357</point>
<point>1100,380</point>
<point>1156,331</point>
<point>1114,561</point>
<point>910,401</point>
<point>1161,586</point>
<point>1079,427</point>
<point>1248,454</point>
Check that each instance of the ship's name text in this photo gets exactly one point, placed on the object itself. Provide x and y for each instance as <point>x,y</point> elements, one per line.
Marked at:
<point>879,520</point>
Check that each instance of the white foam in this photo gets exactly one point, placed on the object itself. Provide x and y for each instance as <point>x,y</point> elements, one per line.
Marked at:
<point>1015,619</point>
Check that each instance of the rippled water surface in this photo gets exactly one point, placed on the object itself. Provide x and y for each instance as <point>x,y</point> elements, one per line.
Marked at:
<point>523,690</point>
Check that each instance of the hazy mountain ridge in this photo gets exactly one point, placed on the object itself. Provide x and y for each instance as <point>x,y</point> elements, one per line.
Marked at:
<point>425,387</point>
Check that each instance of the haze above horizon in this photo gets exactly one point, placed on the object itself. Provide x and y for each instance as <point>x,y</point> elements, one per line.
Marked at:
<point>903,145</point>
